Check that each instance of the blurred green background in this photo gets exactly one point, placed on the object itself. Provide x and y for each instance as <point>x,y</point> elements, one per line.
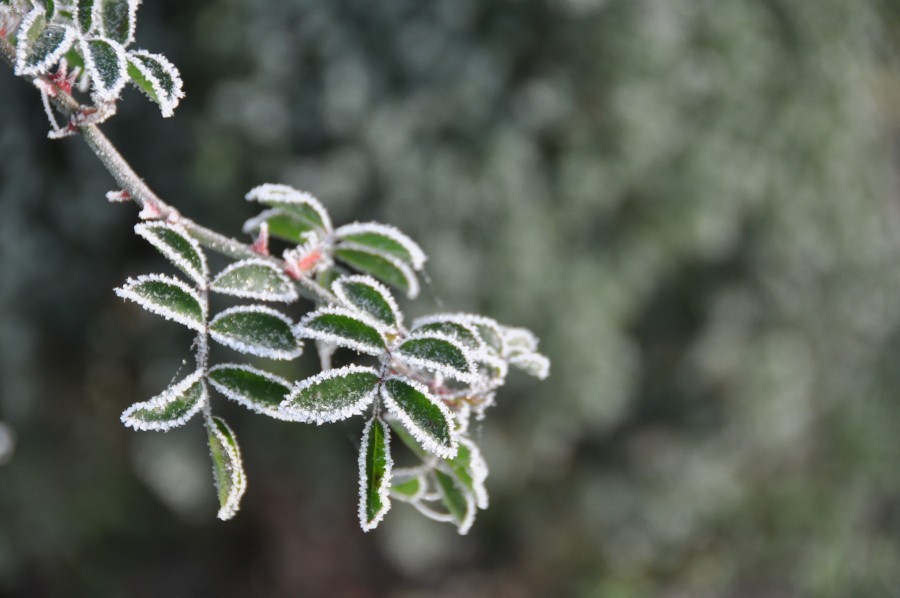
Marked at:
<point>694,203</point>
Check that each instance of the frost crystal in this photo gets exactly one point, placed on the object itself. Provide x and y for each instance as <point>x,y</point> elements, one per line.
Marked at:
<point>37,56</point>
<point>307,259</point>
<point>177,246</point>
<point>357,302</point>
<point>286,196</point>
<point>402,246</point>
<point>255,279</point>
<point>107,64</point>
<point>173,407</point>
<point>152,297</point>
<point>409,277</point>
<point>245,336</point>
<point>333,402</point>
<point>242,398</point>
<point>428,440</point>
<point>107,17</point>
<point>332,334</point>
<point>163,79</point>
<point>460,367</point>
<point>384,488</point>
<point>228,467</point>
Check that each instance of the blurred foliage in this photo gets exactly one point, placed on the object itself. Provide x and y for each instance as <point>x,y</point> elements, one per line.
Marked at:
<point>693,202</point>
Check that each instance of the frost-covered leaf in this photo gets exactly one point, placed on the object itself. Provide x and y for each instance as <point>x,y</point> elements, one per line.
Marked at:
<point>35,54</point>
<point>298,204</point>
<point>167,297</point>
<point>470,470</point>
<point>255,389</point>
<point>333,395</point>
<point>255,279</point>
<point>172,408</point>
<point>84,15</point>
<point>374,474</point>
<point>256,330</point>
<point>425,416</point>
<point>177,246</point>
<point>382,266</point>
<point>228,468</point>
<point>383,238</point>
<point>439,353</point>
<point>107,64</point>
<point>158,78</point>
<point>408,487</point>
<point>343,328</point>
<point>369,296</point>
<point>453,325</point>
<point>534,364</point>
<point>116,19</point>
<point>458,501</point>
<point>281,226</point>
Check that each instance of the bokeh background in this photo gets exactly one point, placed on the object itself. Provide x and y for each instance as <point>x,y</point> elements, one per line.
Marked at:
<point>694,203</point>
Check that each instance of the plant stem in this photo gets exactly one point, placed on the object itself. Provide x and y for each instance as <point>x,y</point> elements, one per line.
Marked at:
<point>144,197</point>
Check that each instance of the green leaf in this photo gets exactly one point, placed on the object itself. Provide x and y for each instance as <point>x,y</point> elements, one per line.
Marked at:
<point>407,488</point>
<point>281,226</point>
<point>50,45</point>
<point>460,331</point>
<point>255,389</point>
<point>255,279</point>
<point>343,328</point>
<point>470,470</point>
<point>84,15</point>
<point>332,395</point>
<point>383,239</point>
<point>460,503</point>
<point>370,297</point>
<point>107,65</point>
<point>383,267</point>
<point>50,8</point>
<point>256,330</point>
<point>298,204</point>
<point>423,415</point>
<point>158,78</point>
<point>374,474</point>
<point>172,408</point>
<point>177,246</point>
<point>228,468</point>
<point>439,353</point>
<point>168,297</point>
<point>116,19</point>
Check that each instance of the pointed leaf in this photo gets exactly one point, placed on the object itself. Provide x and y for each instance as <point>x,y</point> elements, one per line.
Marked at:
<point>533,364</point>
<point>116,19</point>
<point>172,408</point>
<point>256,330</point>
<point>298,204</point>
<point>228,468</point>
<point>36,56</point>
<point>255,389</point>
<point>255,279</point>
<point>84,15</point>
<point>107,65</point>
<point>458,501</point>
<point>370,297</point>
<point>333,395</point>
<point>442,354</point>
<point>167,297</point>
<point>426,417</point>
<point>177,246</point>
<point>158,78</point>
<point>383,238</point>
<point>374,474</point>
<point>343,328</point>
<point>281,226</point>
<point>382,266</point>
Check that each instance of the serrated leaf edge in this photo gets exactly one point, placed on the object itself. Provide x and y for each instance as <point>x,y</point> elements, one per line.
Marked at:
<point>337,287</point>
<point>467,377</point>
<point>384,491</point>
<point>111,93</point>
<point>428,442</point>
<point>23,49</point>
<point>341,341</point>
<point>286,296</point>
<point>160,400</point>
<point>126,291</point>
<point>239,398</point>
<point>295,413</point>
<point>167,102</point>
<point>257,350</point>
<point>145,230</point>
